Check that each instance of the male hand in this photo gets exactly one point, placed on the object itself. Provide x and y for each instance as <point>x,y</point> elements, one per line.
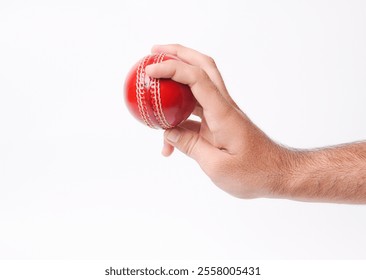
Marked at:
<point>231,150</point>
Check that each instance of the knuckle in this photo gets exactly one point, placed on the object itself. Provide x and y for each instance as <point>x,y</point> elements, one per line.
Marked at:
<point>200,74</point>
<point>210,61</point>
<point>177,46</point>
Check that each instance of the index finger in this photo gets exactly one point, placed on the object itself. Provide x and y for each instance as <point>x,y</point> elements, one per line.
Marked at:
<point>201,60</point>
<point>203,89</point>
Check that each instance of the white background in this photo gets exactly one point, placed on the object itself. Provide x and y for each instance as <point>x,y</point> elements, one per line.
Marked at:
<point>81,179</point>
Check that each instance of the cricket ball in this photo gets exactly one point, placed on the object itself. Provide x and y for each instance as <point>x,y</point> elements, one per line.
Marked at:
<point>158,103</point>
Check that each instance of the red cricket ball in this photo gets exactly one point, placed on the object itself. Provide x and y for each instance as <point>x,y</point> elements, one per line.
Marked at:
<point>158,103</point>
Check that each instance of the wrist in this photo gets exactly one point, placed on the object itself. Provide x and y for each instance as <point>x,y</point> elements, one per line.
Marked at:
<point>282,180</point>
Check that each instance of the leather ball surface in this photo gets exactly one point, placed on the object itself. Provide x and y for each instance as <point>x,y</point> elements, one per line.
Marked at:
<point>158,103</point>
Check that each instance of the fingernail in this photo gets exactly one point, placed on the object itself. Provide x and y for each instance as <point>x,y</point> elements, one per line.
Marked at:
<point>173,136</point>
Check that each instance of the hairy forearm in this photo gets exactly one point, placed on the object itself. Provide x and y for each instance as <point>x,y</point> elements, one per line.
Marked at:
<point>334,174</point>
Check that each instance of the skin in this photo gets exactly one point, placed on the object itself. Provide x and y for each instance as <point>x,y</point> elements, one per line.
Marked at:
<point>240,158</point>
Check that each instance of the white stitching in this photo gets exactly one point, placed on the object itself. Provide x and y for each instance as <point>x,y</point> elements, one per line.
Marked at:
<point>140,92</point>
<point>156,97</point>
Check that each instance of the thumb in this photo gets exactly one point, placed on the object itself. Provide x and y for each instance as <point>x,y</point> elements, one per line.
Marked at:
<point>190,143</point>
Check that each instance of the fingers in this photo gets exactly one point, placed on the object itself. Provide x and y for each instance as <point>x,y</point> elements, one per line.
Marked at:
<point>188,55</point>
<point>190,143</point>
<point>204,90</point>
<point>200,60</point>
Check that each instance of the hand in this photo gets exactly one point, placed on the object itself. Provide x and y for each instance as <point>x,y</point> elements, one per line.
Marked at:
<point>231,150</point>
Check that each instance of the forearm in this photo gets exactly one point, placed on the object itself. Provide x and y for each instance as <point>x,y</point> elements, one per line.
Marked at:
<point>334,174</point>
